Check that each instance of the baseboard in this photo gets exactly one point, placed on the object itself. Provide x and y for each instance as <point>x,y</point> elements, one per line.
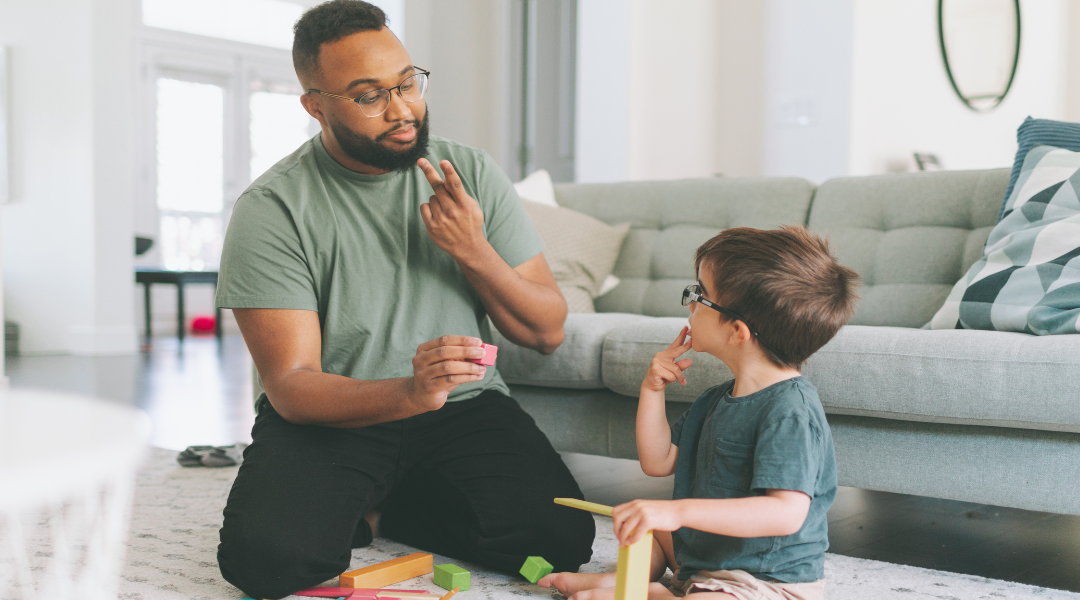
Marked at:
<point>91,340</point>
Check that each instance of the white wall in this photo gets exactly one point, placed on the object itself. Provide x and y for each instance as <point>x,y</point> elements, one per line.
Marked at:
<point>602,115</point>
<point>674,65</point>
<point>466,46</point>
<point>66,235</point>
<point>1072,97</point>
<point>901,99</point>
<point>807,90</point>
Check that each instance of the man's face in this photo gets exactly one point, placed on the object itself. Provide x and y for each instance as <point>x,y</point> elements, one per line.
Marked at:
<point>354,66</point>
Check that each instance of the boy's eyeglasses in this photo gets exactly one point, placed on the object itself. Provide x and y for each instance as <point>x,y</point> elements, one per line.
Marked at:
<point>692,293</point>
<point>375,102</point>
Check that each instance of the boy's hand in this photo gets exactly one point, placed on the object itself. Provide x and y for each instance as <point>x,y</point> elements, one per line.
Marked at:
<point>635,518</point>
<point>664,369</point>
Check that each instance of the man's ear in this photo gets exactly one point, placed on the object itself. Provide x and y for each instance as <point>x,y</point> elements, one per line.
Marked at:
<point>313,105</point>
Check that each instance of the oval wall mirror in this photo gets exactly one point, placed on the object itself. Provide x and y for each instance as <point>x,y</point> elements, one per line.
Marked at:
<point>980,44</point>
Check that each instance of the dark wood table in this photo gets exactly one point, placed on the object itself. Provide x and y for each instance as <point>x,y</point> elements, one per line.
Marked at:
<point>150,276</point>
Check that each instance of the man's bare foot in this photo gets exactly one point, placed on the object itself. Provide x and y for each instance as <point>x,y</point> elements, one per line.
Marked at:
<point>373,517</point>
<point>569,584</point>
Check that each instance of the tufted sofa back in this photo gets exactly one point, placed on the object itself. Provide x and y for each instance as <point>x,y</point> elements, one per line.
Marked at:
<point>910,236</point>
<point>670,219</point>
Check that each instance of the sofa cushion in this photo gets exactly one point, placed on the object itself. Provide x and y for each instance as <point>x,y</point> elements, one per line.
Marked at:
<point>948,376</point>
<point>1039,132</point>
<point>629,349</point>
<point>580,250</point>
<point>951,376</point>
<point>910,236</point>
<point>1028,281</point>
<point>575,364</point>
<point>670,219</point>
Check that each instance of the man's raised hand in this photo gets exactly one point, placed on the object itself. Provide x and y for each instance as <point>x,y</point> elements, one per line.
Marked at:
<point>440,366</point>
<point>664,369</point>
<point>453,219</point>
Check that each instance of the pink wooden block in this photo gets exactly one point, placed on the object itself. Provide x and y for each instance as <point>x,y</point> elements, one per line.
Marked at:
<point>490,352</point>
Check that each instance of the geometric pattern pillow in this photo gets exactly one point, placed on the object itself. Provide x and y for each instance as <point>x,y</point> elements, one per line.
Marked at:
<point>1039,132</point>
<point>1028,279</point>
<point>580,250</point>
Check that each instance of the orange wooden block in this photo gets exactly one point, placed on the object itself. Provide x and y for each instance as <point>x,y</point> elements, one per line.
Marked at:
<point>389,572</point>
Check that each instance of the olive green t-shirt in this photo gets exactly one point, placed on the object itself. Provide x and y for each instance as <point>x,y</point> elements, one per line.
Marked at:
<point>312,235</point>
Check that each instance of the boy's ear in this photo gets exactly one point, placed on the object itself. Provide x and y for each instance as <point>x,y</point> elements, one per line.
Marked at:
<point>740,333</point>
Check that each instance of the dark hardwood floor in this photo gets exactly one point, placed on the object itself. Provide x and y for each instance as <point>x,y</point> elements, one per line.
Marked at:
<point>199,392</point>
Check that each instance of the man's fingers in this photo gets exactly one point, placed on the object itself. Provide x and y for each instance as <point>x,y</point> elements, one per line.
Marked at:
<point>453,182</point>
<point>432,176</point>
<point>449,340</point>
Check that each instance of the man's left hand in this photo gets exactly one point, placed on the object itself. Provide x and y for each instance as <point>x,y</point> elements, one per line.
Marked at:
<point>453,219</point>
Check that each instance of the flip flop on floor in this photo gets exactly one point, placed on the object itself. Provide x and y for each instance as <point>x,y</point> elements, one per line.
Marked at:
<point>212,456</point>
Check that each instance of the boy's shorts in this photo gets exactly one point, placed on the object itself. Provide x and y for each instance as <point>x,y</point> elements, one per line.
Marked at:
<point>745,586</point>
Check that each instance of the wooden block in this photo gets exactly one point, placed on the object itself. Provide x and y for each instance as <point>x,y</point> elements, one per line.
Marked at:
<point>389,572</point>
<point>583,505</point>
<point>450,576</point>
<point>490,352</point>
<point>632,573</point>
<point>536,567</point>
<point>334,592</point>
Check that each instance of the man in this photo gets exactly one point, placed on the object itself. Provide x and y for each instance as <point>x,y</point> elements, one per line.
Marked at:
<point>361,297</point>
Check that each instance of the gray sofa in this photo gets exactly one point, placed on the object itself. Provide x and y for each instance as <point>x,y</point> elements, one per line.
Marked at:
<point>980,416</point>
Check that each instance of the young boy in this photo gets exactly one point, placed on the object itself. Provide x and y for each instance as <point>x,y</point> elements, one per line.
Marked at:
<point>753,457</point>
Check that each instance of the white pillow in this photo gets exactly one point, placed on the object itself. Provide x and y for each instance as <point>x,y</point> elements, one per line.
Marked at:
<point>537,188</point>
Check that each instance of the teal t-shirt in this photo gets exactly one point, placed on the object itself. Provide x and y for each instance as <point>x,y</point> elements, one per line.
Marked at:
<point>312,235</point>
<point>776,438</point>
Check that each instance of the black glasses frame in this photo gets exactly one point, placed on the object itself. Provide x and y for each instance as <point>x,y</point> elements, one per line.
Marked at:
<point>692,293</point>
<point>389,91</point>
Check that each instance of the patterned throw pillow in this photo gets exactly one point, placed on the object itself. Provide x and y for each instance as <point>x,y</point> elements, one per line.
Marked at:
<point>1028,279</point>
<point>1039,132</point>
<point>580,250</point>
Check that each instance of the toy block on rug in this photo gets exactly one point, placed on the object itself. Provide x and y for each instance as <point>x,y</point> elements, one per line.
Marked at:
<point>335,592</point>
<point>535,568</point>
<point>389,572</point>
<point>632,572</point>
<point>450,576</point>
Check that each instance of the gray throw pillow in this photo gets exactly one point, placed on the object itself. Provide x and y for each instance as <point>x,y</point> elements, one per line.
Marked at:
<point>1028,279</point>
<point>580,250</point>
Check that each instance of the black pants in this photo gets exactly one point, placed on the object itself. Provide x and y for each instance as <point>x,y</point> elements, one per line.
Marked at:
<point>473,481</point>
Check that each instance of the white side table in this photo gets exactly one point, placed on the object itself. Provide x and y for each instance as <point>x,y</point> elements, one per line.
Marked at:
<point>67,477</point>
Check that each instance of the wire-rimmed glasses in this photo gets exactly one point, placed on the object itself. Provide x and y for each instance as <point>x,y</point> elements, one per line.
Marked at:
<point>375,102</point>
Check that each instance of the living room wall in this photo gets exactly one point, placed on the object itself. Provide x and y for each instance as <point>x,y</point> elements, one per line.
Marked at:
<point>66,234</point>
<point>901,99</point>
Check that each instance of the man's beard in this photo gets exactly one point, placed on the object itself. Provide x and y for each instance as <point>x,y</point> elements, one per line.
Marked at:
<point>372,153</point>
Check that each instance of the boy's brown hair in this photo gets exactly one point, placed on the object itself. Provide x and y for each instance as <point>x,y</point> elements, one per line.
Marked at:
<point>785,283</point>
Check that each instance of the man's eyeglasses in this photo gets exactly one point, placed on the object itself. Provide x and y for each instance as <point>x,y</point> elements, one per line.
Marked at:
<point>692,293</point>
<point>375,102</point>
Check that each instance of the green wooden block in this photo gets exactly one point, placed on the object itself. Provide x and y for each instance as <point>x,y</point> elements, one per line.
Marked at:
<point>449,577</point>
<point>535,567</point>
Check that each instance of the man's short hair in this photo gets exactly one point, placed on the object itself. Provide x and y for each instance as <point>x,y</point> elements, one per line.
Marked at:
<point>786,285</point>
<point>329,22</point>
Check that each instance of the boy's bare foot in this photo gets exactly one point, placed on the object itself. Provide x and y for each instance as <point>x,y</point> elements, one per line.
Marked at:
<point>569,584</point>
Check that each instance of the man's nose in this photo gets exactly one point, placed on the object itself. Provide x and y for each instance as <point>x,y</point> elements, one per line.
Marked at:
<point>398,109</point>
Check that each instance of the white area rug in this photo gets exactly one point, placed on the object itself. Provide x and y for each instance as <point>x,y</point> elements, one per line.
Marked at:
<point>174,537</point>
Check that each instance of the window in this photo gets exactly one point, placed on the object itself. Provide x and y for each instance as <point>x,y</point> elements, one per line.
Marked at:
<point>262,22</point>
<point>220,106</point>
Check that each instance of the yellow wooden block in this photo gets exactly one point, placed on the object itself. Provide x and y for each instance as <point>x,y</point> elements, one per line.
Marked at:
<point>632,573</point>
<point>389,572</point>
<point>583,505</point>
